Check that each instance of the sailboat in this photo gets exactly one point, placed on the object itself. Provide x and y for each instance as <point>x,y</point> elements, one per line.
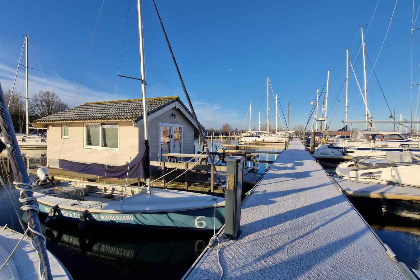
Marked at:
<point>127,206</point>
<point>23,257</point>
<point>28,141</point>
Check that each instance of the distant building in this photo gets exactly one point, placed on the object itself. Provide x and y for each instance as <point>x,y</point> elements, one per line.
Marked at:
<point>111,132</point>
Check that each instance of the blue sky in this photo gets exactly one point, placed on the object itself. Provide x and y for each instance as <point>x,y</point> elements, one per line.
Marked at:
<point>225,50</point>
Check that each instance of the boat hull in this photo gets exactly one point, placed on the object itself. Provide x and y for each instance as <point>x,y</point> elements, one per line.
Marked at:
<point>194,219</point>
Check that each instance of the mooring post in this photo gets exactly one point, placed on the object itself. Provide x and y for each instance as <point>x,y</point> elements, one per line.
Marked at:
<point>312,143</point>
<point>163,174</point>
<point>235,177</point>
<point>186,175</point>
<point>212,178</point>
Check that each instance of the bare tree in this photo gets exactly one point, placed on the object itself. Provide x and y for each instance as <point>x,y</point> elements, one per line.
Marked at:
<point>45,103</point>
<point>226,128</point>
<point>16,108</point>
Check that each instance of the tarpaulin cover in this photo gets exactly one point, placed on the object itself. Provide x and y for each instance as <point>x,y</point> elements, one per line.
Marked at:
<point>139,167</point>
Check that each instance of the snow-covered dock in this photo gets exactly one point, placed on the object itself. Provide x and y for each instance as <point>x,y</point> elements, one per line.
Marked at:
<point>298,225</point>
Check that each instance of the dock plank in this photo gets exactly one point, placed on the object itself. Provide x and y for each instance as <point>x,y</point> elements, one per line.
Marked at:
<point>298,225</point>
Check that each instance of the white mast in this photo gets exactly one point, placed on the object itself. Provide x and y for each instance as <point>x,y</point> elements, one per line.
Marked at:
<point>365,78</point>
<point>316,116</point>
<point>326,100</point>
<point>250,114</point>
<point>259,120</point>
<point>347,85</point>
<point>268,110</point>
<point>143,82</point>
<point>277,113</point>
<point>26,85</point>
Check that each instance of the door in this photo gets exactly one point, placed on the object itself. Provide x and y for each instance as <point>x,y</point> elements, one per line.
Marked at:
<point>171,139</point>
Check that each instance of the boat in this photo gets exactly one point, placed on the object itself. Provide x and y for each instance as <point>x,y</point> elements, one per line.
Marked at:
<point>127,206</point>
<point>24,257</point>
<point>376,143</point>
<point>24,262</point>
<point>399,168</point>
<point>28,140</point>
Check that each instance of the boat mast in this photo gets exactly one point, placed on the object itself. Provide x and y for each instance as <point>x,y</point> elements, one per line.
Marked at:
<point>326,101</point>
<point>316,116</point>
<point>288,115</point>
<point>268,110</point>
<point>250,114</point>
<point>26,85</point>
<point>277,113</point>
<point>365,78</point>
<point>143,83</point>
<point>347,85</point>
<point>259,120</point>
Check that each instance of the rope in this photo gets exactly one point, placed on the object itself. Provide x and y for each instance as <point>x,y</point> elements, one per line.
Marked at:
<point>200,128</point>
<point>383,42</point>
<point>39,65</point>
<point>122,48</point>
<point>10,197</point>
<point>17,71</point>
<point>14,250</point>
<point>281,108</point>
<point>379,84</point>
<point>176,168</point>
<point>314,106</point>
<point>88,53</point>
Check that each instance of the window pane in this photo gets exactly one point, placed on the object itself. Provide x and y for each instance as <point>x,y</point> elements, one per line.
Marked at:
<point>92,135</point>
<point>177,139</point>
<point>65,131</point>
<point>110,136</point>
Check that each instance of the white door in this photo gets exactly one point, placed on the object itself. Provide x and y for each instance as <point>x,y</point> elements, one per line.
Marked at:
<point>171,139</point>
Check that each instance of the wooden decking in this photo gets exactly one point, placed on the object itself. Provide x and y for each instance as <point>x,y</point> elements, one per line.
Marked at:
<point>297,224</point>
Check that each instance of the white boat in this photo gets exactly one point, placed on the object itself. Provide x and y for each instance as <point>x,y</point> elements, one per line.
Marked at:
<point>397,168</point>
<point>24,262</point>
<point>377,143</point>
<point>331,154</point>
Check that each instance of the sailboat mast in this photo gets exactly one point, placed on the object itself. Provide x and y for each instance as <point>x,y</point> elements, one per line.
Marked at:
<point>143,83</point>
<point>326,101</point>
<point>259,120</point>
<point>250,115</point>
<point>26,85</point>
<point>365,78</point>
<point>347,85</point>
<point>316,116</point>
<point>268,110</point>
<point>288,115</point>
<point>277,113</point>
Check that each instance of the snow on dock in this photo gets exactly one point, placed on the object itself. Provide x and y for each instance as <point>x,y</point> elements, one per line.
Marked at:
<point>298,225</point>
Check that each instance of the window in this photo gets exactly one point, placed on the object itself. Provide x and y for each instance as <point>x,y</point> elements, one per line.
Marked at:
<point>101,136</point>
<point>65,131</point>
<point>392,137</point>
<point>92,135</point>
<point>109,136</point>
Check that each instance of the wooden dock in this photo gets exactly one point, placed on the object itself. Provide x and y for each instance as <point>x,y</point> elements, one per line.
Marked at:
<point>297,224</point>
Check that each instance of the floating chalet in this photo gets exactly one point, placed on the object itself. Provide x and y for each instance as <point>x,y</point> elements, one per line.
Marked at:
<point>111,132</point>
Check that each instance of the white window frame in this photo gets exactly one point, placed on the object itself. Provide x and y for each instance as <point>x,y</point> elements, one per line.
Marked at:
<point>100,137</point>
<point>68,131</point>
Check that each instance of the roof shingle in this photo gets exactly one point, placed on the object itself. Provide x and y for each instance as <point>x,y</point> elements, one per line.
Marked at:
<point>131,109</point>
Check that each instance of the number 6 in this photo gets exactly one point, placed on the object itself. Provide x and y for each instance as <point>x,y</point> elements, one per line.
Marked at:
<point>198,223</point>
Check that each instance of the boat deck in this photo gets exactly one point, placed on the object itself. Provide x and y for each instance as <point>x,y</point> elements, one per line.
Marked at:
<point>298,225</point>
<point>374,190</point>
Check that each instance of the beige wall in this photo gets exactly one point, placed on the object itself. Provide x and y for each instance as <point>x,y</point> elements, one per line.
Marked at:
<point>73,148</point>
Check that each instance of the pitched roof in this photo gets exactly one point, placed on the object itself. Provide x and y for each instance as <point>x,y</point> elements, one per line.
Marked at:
<point>131,109</point>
